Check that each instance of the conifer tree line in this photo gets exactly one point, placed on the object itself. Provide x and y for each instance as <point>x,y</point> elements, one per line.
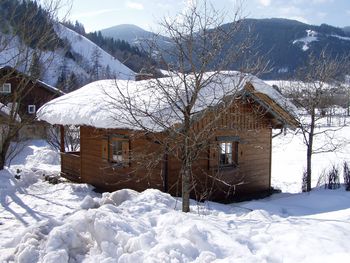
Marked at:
<point>131,56</point>
<point>37,21</point>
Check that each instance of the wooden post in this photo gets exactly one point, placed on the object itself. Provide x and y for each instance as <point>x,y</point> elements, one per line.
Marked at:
<point>62,138</point>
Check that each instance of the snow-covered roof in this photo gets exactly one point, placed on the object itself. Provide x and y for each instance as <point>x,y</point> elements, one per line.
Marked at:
<point>5,111</point>
<point>100,104</point>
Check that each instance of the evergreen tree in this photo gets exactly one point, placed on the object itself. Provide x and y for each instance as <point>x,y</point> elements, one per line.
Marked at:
<point>96,64</point>
<point>35,69</point>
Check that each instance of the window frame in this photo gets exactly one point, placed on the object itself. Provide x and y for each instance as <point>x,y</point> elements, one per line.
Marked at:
<point>2,89</point>
<point>233,153</point>
<point>125,150</point>
<point>31,106</point>
<point>215,152</point>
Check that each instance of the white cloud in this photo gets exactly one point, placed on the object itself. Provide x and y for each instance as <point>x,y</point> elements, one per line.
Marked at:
<point>265,2</point>
<point>134,5</point>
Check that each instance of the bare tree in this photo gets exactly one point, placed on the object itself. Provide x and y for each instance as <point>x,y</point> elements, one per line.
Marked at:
<point>312,93</point>
<point>27,42</point>
<point>197,89</point>
<point>71,138</point>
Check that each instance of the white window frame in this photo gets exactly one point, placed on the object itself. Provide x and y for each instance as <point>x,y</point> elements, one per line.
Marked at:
<point>31,109</point>
<point>3,89</point>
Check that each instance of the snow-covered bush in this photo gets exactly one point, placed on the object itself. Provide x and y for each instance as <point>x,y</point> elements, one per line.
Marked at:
<point>346,174</point>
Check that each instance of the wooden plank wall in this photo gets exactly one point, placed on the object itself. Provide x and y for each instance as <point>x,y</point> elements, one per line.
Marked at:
<point>254,156</point>
<point>242,120</point>
<point>108,176</point>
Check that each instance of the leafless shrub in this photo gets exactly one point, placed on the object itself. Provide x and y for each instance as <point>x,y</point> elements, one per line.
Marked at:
<point>346,175</point>
<point>332,178</point>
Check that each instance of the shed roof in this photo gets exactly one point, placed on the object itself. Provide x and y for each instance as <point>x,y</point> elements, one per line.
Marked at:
<point>101,104</point>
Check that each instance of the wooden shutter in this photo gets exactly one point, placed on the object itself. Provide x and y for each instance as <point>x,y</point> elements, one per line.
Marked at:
<point>213,155</point>
<point>125,150</point>
<point>104,148</point>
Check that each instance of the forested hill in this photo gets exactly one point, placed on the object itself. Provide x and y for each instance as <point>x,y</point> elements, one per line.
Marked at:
<point>131,55</point>
<point>286,44</point>
<point>31,40</point>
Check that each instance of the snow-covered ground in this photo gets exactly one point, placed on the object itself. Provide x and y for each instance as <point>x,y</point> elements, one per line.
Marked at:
<point>40,222</point>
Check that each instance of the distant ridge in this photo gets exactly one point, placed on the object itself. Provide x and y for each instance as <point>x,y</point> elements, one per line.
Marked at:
<point>285,43</point>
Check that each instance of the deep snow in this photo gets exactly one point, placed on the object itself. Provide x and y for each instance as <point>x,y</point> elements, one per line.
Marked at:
<point>67,222</point>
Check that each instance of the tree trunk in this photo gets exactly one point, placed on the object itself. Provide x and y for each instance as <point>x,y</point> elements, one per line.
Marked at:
<point>2,160</point>
<point>3,152</point>
<point>186,173</point>
<point>186,168</point>
<point>309,152</point>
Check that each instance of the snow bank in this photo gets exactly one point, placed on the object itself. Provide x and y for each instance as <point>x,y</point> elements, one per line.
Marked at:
<point>35,155</point>
<point>147,227</point>
<point>29,203</point>
<point>101,104</point>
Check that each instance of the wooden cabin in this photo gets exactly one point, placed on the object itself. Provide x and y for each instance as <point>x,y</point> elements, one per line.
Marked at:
<point>29,95</point>
<point>233,162</point>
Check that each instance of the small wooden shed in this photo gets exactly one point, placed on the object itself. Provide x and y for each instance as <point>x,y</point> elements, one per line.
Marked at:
<point>235,163</point>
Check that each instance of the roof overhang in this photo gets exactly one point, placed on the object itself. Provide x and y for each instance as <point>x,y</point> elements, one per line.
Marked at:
<point>284,118</point>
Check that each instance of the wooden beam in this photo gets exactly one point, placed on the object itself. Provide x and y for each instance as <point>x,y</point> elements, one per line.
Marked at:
<point>62,138</point>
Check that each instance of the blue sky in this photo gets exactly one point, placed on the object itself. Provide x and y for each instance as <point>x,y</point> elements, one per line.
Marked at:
<point>99,14</point>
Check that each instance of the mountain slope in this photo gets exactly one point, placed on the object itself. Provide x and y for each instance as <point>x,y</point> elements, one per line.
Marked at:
<point>288,43</point>
<point>285,43</point>
<point>87,49</point>
<point>76,61</point>
<point>33,42</point>
<point>135,36</point>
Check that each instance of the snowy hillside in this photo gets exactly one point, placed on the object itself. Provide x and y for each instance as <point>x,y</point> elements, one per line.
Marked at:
<point>78,62</point>
<point>86,48</point>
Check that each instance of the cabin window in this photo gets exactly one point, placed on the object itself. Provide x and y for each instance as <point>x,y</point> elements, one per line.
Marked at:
<point>5,88</point>
<point>224,152</point>
<point>228,153</point>
<point>31,109</point>
<point>118,151</point>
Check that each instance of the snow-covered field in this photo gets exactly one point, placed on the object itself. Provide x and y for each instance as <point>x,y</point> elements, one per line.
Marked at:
<point>41,222</point>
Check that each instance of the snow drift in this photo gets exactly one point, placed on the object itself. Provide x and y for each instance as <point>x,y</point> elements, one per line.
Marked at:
<point>147,227</point>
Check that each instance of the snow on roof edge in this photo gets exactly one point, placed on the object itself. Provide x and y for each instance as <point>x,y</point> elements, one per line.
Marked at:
<point>88,106</point>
